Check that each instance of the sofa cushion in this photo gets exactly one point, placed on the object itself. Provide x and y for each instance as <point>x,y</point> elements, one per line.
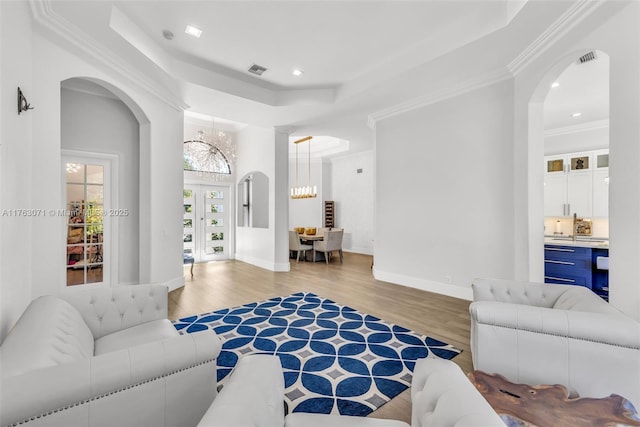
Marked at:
<point>156,330</point>
<point>252,396</point>
<point>50,332</point>
<point>582,299</point>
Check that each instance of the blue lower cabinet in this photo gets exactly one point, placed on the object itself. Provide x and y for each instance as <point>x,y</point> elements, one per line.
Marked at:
<point>571,265</point>
<point>600,277</point>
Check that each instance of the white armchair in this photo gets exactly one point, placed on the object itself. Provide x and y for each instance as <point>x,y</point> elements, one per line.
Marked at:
<point>331,241</point>
<point>441,396</point>
<point>103,357</point>
<point>539,333</point>
<point>296,245</point>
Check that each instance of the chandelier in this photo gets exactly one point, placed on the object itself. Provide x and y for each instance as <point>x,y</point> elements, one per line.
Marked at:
<point>304,192</point>
<point>210,153</point>
<point>72,167</point>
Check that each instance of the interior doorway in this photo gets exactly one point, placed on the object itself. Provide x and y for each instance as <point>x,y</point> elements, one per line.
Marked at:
<point>575,146</point>
<point>206,222</point>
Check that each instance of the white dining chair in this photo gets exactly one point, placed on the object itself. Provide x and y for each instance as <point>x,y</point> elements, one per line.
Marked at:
<point>331,241</point>
<point>296,245</point>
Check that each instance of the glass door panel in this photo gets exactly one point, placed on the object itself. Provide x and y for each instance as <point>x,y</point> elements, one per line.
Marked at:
<point>188,221</point>
<point>85,223</point>
<point>206,226</point>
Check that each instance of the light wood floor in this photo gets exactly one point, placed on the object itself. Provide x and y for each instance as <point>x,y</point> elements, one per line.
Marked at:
<point>224,284</point>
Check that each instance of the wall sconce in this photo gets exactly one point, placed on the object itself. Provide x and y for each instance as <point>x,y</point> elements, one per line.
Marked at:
<point>23,105</point>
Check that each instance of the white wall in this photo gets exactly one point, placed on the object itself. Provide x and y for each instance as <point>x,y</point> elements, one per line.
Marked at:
<point>444,192</point>
<point>106,125</point>
<point>353,195</point>
<point>31,145</point>
<point>16,145</point>
<point>260,149</point>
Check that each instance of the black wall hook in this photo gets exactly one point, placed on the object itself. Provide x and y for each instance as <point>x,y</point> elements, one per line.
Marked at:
<point>23,105</point>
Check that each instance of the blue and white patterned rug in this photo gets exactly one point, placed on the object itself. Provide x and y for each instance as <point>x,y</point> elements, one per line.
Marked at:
<point>335,359</point>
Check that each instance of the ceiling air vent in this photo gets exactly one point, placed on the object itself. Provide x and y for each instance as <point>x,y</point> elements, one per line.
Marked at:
<point>257,69</point>
<point>589,56</point>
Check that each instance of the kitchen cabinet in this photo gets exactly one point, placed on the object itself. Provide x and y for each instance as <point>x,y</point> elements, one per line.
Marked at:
<point>575,265</point>
<point>555,189</point>
<point>577,183</point>
<point>601,193</point>
<point>580,193</point>
<point>568,265</point>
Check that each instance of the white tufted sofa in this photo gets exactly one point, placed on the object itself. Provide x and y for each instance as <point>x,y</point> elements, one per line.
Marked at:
<point>105,357</point>
<point>539,333</point>
<point>441,395</point>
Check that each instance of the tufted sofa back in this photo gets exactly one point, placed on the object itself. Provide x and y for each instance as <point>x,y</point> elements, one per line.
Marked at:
<point>105,311</point>
<point>442,395</point>
<point>517,292</point>
<point>581,299</point>
<point>49,332</point>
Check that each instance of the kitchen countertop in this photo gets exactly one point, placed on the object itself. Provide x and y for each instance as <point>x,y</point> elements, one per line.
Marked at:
<point>583,242</point>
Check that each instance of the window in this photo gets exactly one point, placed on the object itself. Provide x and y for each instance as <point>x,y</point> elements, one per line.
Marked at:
<point>207,154</point>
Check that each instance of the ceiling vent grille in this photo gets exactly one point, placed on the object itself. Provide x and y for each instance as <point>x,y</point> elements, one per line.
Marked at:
<point>589,56</point>
<point>257,69</point>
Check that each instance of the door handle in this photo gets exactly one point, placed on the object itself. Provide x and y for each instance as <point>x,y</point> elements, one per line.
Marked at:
<point>559,262</point>
<point>560,279</point>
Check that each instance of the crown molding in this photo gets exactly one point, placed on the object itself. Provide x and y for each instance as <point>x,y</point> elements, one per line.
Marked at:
<point>44,15</point>
<point>438,96</point>
<point>582,127</point>
<point>560,27</point>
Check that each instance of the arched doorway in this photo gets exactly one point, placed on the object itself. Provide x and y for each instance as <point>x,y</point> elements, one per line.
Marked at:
<point>568,142</point>
<point>100,152</point>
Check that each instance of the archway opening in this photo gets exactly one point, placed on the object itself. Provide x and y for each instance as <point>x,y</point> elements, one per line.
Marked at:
<point>569,141</point>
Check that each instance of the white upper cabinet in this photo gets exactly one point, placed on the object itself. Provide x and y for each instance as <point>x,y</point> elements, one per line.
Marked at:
<point>555,189</point>
<point>577,183</point>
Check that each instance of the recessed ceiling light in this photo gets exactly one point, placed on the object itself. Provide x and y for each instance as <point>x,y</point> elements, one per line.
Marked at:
<point>555,85</point>
<point>297,72</point>
<point>193,31</point>
<point>576,114</point>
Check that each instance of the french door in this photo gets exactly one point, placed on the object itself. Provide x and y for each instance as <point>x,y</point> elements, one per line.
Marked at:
<point>87,213</point>
<point>206,222</point>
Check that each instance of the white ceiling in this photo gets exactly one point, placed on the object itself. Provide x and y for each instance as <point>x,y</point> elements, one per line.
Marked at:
<point>583,88</point>
<point>334,42</point>
<point>358,56</point>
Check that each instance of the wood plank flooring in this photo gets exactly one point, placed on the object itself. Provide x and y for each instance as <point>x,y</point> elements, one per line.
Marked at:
<point>224,284</point>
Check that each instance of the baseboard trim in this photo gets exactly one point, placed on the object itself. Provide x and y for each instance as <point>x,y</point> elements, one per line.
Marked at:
<point>174,284</point>
<point>424,285</point>
<point>280,267</point>
<point>362,251</point>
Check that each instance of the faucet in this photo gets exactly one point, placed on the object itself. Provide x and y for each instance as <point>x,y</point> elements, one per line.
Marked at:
<point>575,226</point>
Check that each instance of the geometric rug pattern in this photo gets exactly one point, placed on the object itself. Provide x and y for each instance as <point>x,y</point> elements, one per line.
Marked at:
<point>335,360</point>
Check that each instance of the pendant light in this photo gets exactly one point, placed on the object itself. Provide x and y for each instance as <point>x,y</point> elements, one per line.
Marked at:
<point>304,192</point>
